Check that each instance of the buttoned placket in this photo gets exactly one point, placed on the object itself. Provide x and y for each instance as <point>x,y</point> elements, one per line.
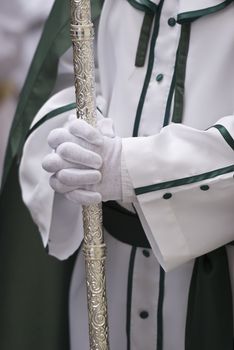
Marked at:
<point>144,301</point>
<point>153,113</point>
<point>146,277</point>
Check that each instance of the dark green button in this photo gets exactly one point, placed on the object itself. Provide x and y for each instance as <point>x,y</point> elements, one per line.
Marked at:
<point>146,253</point>
<point>171,22</point>
<point>144,314</point>
<point>204,187</point>
<point>167,195</point>
<point>159,77</point>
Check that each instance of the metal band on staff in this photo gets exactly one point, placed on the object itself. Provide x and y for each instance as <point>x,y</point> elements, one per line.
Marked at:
<point>82,35</point>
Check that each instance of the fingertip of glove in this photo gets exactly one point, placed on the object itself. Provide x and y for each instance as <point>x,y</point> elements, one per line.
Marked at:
<point>84,198</point>
<point>53,182</point>
<point>97,162</point>
<point>82,129</point>
<point>49,162</point>
<point>106,127</point>
<point>57,136</point>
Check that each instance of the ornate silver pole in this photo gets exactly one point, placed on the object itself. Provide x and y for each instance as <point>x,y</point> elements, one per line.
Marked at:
<point>82,35</point>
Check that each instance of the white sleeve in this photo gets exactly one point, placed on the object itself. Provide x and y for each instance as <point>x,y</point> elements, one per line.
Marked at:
<point>59,220</point>
<point>183,179</point>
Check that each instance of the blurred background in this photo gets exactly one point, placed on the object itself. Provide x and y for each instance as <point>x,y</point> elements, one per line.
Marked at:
<point>21,24</point>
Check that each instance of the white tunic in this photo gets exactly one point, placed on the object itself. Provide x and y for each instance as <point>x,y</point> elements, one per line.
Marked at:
<point>178,160</point>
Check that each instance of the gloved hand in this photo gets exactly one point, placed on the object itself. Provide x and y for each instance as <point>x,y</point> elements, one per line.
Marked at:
<point>86,162</point>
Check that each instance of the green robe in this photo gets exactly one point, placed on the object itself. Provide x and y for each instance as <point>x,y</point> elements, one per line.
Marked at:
<point>34,286</point>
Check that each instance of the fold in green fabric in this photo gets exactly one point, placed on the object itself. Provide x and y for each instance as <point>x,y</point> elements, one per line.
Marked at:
<point>55,41</point>
<point>209,320</point>
<point>35,287</point>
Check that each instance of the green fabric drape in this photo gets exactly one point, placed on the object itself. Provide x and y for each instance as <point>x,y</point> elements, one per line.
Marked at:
<point>209,323</point>
<point>34,286</point>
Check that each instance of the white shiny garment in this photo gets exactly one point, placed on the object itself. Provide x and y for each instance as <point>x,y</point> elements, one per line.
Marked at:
<point>186,225</point>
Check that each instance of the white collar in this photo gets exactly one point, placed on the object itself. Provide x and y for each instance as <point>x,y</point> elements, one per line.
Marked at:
<point>192,9</point>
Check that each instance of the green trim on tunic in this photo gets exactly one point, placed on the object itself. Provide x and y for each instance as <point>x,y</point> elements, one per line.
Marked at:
<point>184,181</point>
<point>180,72</point>
<point>193,15</point>
<point>143,5</point>
<point>169,101</point>
<point>149,71</point>
<point>161,296</point>
<point>51,115</point>
<point>227,137</point>
<point>144,38</point>
<point>129,295</point>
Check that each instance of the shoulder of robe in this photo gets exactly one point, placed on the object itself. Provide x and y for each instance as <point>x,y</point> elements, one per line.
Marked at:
<point>190,10</point>
<point>59,100</point>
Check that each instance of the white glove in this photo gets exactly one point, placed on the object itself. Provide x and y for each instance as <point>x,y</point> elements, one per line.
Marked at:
<point>86,162</point>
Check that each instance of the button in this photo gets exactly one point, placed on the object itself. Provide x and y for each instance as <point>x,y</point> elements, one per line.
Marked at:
<point>171,22</point>
<point>159,77</point>
<point>146,253</point>
<point>144,315</point>
<point>204,187</point>
<point>167,195</point>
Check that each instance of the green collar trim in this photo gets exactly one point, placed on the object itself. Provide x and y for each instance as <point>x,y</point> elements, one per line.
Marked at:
<point>192,15</point>
<point>143,5</point>
<point>149,70</point>
<point>184,181</point>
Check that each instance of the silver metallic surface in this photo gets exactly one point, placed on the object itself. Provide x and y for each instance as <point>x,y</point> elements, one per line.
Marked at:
<point>82,35</point>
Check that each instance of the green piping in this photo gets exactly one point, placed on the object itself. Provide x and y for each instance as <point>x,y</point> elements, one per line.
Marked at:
<point>51,115</point>
<point>143,5</point>
<point>227,137</point>
<point>192,15</point>
<point>169,102</point>
<point>160,309</point>
<point>149,71</point>
<point>129,295</point>
<point>184,181</point>
<point>180,72</point>
<point>144,38</point>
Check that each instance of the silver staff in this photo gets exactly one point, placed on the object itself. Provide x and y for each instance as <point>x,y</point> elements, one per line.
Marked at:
<point>82,35</point>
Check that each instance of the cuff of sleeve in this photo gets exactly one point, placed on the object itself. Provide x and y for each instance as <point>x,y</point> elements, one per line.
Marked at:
<point>66,229</point>
<point>189,221</point>
<point>165,235</point>
<point>128,194</point>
